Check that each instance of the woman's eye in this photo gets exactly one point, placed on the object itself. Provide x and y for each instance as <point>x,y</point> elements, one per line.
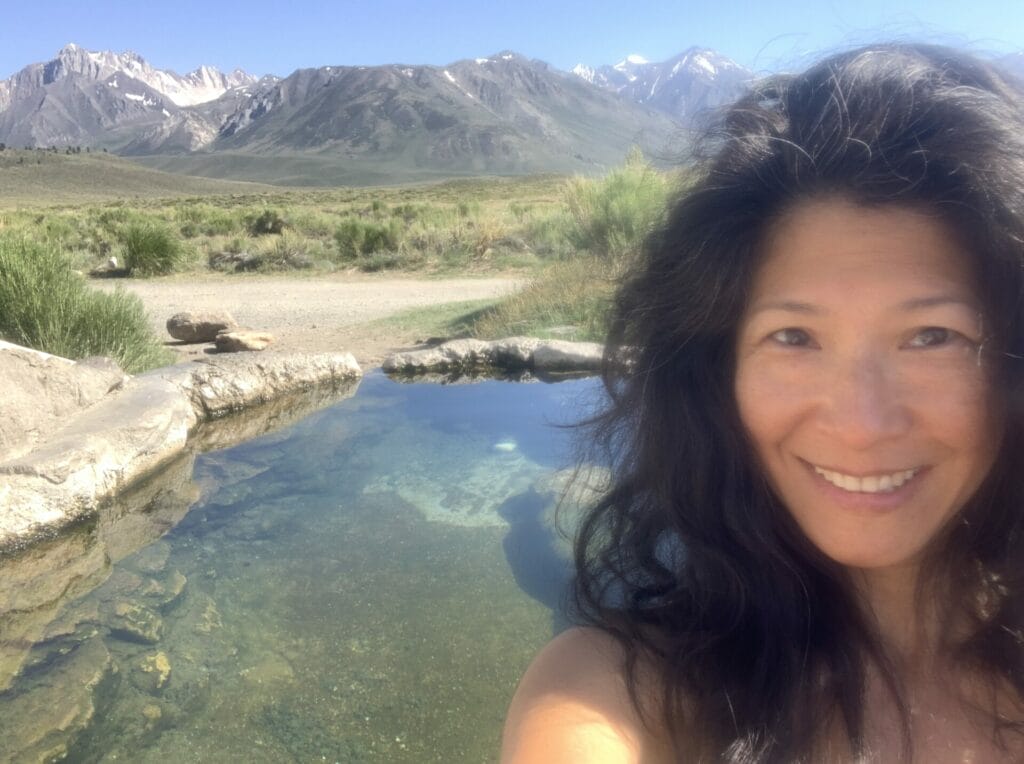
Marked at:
<point>932,336</point>
<point>790,337</point>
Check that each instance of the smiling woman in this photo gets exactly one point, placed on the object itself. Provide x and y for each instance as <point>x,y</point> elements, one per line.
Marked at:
<point>810,550</point>
<point>859,381</point>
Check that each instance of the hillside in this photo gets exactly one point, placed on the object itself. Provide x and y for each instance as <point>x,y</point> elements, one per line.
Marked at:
<point>504,115</point>
<point>500,115</point>
<point>34,177</point>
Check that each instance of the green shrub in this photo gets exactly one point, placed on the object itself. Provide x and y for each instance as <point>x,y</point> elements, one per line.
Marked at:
<point>468,209</point>
<point>613,215</point>
<point>112,217</point>
<point>205,220</point>
<point>356,237</point>
<point>407,212</point>
<point>573,297</point>
<point>551,235</point>
<point>267,222</point>
<point>312,223</point>
<point>46,306</point>
<point>60,229</point>
<point>520,211</point>
<point>283,253</point>
<point>150,249</point>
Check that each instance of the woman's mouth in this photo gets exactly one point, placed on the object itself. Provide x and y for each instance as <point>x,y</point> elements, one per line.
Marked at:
<point>879,483</point>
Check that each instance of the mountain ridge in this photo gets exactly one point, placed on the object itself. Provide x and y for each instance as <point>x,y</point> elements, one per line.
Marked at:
<point>686,86</point>
<point>500,114</point>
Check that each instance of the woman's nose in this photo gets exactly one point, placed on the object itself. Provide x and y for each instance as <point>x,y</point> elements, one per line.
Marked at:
<point>865,403</point>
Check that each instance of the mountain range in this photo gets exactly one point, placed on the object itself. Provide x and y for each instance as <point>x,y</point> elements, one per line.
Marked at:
<point>501,114</point>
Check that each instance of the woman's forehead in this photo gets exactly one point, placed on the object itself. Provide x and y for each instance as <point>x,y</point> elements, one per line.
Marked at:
<point>834,250</point>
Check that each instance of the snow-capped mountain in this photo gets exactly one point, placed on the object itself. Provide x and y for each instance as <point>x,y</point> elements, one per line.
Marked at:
<point>499,114</point>
<point>107,99</point>
<point>683,87</point>
<point>503,113</point>
<point>204,84</point>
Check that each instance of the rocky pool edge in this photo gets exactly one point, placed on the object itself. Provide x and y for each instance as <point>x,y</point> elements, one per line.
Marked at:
<point>143,423</point>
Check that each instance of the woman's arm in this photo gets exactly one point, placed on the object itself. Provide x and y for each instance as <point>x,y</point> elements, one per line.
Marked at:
<point>572,706</point>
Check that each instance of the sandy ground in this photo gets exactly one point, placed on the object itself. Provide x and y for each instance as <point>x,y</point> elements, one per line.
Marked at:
<point>327,313</point>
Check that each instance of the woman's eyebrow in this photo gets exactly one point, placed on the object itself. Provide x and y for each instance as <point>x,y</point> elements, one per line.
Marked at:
<point>791,306</point>
<point>917,303</point>
<point>920,303</point>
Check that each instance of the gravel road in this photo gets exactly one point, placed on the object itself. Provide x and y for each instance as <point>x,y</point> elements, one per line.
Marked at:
<point>308,314</point>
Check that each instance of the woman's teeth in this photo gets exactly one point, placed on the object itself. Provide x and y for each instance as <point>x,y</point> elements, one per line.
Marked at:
<point>870,484</point>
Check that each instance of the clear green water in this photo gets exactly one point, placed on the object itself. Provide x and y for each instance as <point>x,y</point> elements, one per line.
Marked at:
<point>365,585</point>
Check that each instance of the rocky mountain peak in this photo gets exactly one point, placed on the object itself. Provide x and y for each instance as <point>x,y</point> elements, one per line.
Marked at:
<point>631,61</point>
<point>692,82</point>
<point>200,86</point>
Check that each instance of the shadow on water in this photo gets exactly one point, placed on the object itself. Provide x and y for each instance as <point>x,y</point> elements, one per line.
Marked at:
<point>538,567</point>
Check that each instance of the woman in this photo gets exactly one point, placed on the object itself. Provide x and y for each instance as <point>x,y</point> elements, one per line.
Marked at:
<point>812,547</point>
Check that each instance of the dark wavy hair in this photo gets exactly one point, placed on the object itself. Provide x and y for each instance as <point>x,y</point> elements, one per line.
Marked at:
<point>755,639</point>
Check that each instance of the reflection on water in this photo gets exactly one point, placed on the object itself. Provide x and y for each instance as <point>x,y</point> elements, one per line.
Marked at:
<point>367,584</point>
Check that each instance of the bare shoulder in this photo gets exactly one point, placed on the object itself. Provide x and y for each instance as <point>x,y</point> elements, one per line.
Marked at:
<point>572,705</point>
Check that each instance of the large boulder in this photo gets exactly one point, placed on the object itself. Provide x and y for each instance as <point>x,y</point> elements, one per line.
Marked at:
<point>42,391</point>
<point>200,327</point>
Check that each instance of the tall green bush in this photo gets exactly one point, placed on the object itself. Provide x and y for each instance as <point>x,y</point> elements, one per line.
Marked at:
<point>612,215</point>
<point>266,222</point>
<point>150,249</point>
<point>356,237</point>
<point>45,305</point>
<point>572,297</point>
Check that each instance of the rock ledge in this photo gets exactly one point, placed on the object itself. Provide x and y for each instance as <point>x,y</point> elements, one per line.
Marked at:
<point>110,430</point>
<point>512,353</point>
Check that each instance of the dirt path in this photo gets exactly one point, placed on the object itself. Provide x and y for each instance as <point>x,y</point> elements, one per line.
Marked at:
<point>309,314</point>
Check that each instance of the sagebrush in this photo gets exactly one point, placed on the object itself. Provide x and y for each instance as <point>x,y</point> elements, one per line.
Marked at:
<point>45,305</point>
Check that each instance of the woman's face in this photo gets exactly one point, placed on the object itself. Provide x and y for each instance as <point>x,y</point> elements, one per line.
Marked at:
<point>860,382</point>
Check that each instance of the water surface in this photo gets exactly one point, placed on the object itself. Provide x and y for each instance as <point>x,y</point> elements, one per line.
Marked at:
<point>365,585</point>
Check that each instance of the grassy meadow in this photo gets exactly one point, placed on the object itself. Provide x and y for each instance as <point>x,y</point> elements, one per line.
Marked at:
<point>64,215</point>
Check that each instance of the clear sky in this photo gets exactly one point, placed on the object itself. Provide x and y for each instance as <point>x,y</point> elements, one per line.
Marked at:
<point>279,36</point>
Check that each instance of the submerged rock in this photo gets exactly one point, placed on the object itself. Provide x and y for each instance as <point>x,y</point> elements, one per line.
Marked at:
<point>487,477</point>
<point>133,622</point>
<point>46,717</point>
<point>164,595</point>
<point>153,673</point>
<point>209,618</point>
<point>151,559</point>
<point>35,585</point>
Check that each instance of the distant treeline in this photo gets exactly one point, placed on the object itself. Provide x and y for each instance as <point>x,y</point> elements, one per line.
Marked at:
<point>53,149</point>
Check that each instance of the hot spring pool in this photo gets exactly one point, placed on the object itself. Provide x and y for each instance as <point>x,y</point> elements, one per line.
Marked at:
<point>366,584</point>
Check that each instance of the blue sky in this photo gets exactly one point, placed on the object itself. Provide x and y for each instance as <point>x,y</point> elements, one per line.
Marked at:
<point>270,36</point>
